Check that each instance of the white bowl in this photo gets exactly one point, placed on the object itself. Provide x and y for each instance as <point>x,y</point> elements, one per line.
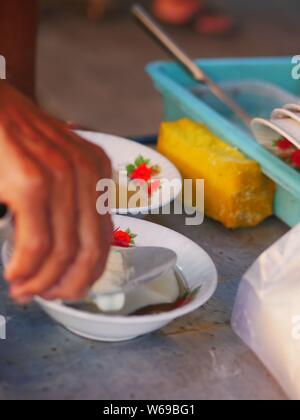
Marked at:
<point>197,267</point>
<point>267,132</point>
<point>123,152</point>
<point>285,113</point>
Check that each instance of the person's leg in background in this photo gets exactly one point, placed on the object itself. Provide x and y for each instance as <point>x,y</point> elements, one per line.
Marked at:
<point>182,12</point>
<point>177,12</point>
<point>204,19</point>
<point>96,9</point>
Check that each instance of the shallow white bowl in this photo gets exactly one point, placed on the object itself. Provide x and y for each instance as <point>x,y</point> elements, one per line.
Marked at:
<point>123,152</point>
<point>285,113</point>
<point>197,267</point>
<point>267,132</point>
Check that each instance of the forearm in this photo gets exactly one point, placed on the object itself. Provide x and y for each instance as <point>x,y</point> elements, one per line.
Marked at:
<point>18,29</point>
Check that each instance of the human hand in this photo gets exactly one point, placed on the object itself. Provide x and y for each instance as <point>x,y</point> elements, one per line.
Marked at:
<point>48,178</point>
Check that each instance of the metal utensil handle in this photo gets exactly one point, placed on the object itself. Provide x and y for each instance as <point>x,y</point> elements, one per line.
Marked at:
<point>231,104</point>
<point>180,55</point>
<point>165,40</point>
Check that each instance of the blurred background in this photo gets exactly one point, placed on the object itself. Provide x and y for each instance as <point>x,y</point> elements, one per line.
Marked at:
<point>92,56</point>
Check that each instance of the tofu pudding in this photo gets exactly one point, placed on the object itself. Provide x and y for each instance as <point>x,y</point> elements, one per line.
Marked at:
<point>165,294</point>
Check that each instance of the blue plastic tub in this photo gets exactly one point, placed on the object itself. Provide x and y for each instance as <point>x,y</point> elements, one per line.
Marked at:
<point>179,101</point>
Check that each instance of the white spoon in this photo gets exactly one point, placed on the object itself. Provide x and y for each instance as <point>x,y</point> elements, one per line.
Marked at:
<point>143,265</point>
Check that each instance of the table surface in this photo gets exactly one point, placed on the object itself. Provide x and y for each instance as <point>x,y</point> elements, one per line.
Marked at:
<point>196,357</point>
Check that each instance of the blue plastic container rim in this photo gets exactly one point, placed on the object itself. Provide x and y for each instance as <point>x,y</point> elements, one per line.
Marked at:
<point>273,167</point>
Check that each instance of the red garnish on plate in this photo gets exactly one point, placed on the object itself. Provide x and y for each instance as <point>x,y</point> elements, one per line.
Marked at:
<point>287,152</point>
<point>123,239</point>
<point>295,159</point>
<point>284,144</point>
<point>142,170</point>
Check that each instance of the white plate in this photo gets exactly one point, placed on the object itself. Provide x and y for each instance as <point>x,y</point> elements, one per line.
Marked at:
<point>123,152</point>
<point>197,267</point>
<point>267,132</point>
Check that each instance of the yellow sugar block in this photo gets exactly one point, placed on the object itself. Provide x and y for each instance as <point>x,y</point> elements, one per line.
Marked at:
<point>237,193</point>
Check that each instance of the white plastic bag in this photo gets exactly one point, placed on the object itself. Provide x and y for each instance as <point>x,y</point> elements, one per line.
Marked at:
<point>267,311</point>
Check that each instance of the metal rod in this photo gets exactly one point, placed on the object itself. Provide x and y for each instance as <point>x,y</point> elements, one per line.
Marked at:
<point>182,57</point>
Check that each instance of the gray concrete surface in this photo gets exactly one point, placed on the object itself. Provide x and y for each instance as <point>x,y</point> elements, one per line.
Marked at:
<point>196,357</point>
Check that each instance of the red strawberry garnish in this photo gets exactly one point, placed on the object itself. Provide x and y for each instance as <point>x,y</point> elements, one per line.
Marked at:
<point>284,144</point>
<point>295,159</point>
<point>123,239</point>
<point>142,169</point>
<point>142,172</point>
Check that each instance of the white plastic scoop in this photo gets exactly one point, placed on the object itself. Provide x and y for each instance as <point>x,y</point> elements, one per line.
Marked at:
<point>128,269</point>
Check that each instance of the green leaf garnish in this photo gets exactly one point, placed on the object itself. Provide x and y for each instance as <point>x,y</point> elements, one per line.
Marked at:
<point>130,169</point>
<point>141,160</point>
